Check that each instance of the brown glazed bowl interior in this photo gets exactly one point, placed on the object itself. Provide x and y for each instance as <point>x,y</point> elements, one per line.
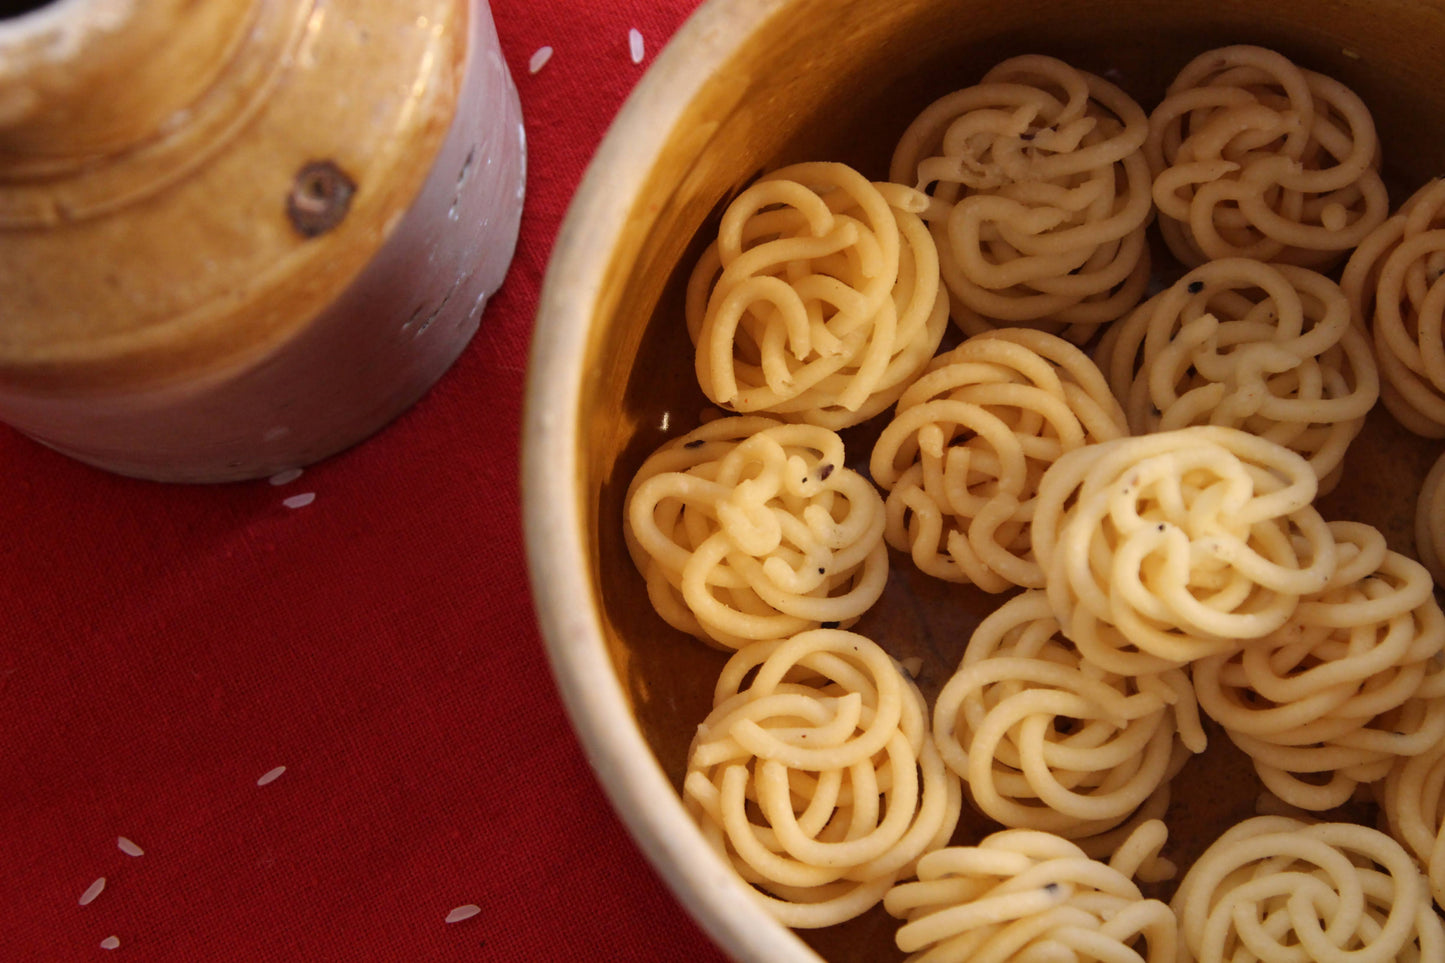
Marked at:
<point>749,85</point>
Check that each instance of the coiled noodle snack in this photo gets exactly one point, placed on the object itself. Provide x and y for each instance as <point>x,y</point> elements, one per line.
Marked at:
<point>814,775</point>
<point>1413,804</point>
<point>1392,281</point>
<point>1040,196</point>
<point>1265,348</point>
<point>1253,156</point>
<point>748,528</point>
<point>1024,895</point>
<point>962,456</point>
<point>1352,682</point>
<point>1044,741</point>
<point>1430,521</point>
<point>1164,548</point>
<point>820,300</point>
<point>1277,889</point>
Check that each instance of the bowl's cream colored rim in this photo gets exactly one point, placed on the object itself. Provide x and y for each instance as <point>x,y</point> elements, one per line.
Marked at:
<point>554,510</point>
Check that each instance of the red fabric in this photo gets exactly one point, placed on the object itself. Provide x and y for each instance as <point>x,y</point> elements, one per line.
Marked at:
<point>162,647</point>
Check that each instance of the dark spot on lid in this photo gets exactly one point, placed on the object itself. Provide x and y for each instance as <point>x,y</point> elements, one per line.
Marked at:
<point>319,198</point>
<point>824,471</point>
<point>695,443</point>
<point>1196,286</point>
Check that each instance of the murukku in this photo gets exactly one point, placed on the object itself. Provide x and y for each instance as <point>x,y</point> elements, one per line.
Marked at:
<point>815,777</point>
<point>1045,741</point>
<point>1254,156</point>
<point>1266,348</point>
<point>820,300</point>
<point>1027,895</point>
<point>1040,197</point>
<point>962,456</point>
<point>1351,683</point>
<point>1275,889</point>
<point>749,528</point>
<point>1392,281</point>
<point>1165,548</point>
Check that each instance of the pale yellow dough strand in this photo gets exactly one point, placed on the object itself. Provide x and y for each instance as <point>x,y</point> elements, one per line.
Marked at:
<point>1430,521</point>
<point>1413,803</point>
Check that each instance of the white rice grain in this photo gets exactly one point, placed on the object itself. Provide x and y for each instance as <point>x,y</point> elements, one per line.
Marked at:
<point>299,501</point>
<point>271,776</point>
<point>128,847</point>
<point>463,913</point>
<point>92,891</point>
<point>634,44</point>
<point>110,943</point>
<point>285,477</point>
<point>539,59</point>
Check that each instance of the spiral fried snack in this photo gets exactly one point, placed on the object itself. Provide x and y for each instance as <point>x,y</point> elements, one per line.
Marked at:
<point>820,299</point>
<point>1236,342</point>
<point>1043,741</point>
<point>1413,803</point>
<point>1253,156</point>
<point>748,528</point>
<point>1028,895</point>
<point>1392,281</point>
<point>1351,683</point>
<point>1166,548</point>
<point>962,457</point>
<point>1040,196</point>
<point>828,746</point>
<point>1430,521</point>
<point>1277,889</point>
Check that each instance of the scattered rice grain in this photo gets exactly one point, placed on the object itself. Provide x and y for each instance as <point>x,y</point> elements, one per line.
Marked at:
<point>299,501</point>
<point>271,776</point>
<point>110,943</point>
<point>634,44</point>
<point>539,59</point>
<point>92,891</point>
<point>286,476</point>
<point>463,913</point>
<point>128,847</point>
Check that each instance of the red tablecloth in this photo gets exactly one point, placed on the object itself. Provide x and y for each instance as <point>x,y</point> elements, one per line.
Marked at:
<point>163,647</point>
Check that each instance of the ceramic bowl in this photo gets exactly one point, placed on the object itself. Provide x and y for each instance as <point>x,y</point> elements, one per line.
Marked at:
<point>749,85</point>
